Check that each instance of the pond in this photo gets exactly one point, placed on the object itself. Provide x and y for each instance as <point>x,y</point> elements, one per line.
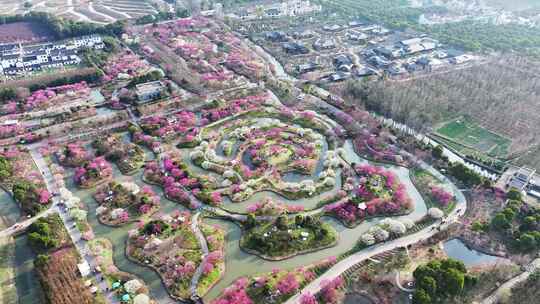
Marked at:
<point>355,298</point>
<point>97,97</point>
<point>238,263</point>
<point>456,249</point>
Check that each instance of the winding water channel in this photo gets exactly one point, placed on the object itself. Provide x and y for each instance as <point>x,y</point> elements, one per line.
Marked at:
<point>238,263</point>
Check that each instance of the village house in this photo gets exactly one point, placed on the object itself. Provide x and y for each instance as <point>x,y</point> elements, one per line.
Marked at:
<point>149,91</point>
<point>303,34</point>
<point>379,61</point>
<point>520,179</point>
<point>429,63</point>
<point>17,59</point>
<point>395,69</point>
<point>417,45</point>
<point>376,29</point>
<point>332,28</point>
<point>364,72</point>
<point>357,37</point>
<point>388,52</point>
<point>324,44</point>
<point>306,68</point>
<point>355,23</point>
<point>338,77</point>
<point>276,36</point>
<point>287,8</point>
<point>460,59</point>
<point>343,63</point>
<point>294,48</point>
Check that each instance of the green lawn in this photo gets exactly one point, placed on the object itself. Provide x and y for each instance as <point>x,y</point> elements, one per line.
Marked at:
<point>469,134</point>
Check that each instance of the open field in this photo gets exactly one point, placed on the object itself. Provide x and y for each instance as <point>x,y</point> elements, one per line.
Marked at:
<point>469,134</point>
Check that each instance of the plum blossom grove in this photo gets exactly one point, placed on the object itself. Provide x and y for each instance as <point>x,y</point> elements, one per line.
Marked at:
<point>150,243</point>
<point>92,172</point>
<point>43,98</point>
<point>72,155</point>
<point>180,184</point>
<point>219,147</point>
<point>281,284</point>
<point>204,51</point>
<point>378,192</point>
<point>255,149</point>
<point>19,174</point>
<point>122,203</point>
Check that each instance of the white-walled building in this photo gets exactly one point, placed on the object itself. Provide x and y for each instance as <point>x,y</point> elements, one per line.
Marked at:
<point>284,8</point>
<point>16,59</point>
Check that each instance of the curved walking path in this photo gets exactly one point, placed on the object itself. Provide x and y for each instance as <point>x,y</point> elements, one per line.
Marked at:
<point>398,283</point>
<point>315,286</point>
<point>508,285</point>
<point>204,248</point>
<point>461,206</point>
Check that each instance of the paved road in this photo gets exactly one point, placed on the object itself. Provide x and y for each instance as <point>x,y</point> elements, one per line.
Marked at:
<point>508,285</point>
<point>72,229</point>
<point>342,266</point>
<point>21,226</point>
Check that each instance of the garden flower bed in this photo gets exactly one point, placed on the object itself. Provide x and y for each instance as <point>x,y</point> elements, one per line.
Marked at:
<point>270,208</point>
<point>255,143</point>
<point>214,264</point>
<point>124,203</point>
<point>181,127</point>
<point>433,191</point>
<point>273,287</point>
<point>378,192</point>
<point>102,251</point>
<point>180,184</point>
<point>127,156</point>
<point>169,246</point>
<point>72,155</point>
<point>93,173</point>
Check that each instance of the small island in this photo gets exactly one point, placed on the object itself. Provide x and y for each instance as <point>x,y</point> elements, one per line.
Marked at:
<point>121,203</point>
<point>169,246</point>
<point>283,237</point>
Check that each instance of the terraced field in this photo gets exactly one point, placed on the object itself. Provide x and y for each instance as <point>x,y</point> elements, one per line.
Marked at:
<point>97,11</point>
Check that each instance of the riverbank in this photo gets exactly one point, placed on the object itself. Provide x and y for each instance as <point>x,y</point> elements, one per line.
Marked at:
<point>8,290</point>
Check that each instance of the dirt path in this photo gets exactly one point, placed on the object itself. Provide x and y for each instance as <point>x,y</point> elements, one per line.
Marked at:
<point>508,285</point>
